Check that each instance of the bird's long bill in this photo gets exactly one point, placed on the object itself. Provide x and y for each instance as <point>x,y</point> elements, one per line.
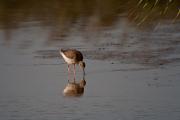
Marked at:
<point>84,73</point>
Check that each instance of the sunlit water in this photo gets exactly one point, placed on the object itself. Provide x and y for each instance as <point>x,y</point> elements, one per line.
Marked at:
<point>132,70</point>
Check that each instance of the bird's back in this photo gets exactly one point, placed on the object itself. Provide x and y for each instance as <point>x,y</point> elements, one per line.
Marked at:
<point>73,54</point>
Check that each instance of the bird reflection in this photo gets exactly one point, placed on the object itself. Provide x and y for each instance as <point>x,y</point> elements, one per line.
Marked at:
<point>75,88</point>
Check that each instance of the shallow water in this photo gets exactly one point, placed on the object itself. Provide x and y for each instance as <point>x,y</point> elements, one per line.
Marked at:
<point>132,61</point>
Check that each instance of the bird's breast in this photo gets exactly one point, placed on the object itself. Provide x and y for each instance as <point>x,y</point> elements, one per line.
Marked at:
<point>68,60</point>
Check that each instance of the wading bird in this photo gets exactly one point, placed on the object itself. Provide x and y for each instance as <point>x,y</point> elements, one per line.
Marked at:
<point>73,57</point>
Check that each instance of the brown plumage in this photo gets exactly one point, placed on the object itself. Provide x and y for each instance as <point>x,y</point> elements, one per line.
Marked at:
<point>72,56</point>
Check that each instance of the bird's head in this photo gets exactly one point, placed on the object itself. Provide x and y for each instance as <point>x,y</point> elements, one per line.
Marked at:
<point>82,64</point>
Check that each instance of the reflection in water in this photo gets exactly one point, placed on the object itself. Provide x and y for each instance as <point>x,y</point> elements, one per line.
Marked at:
<point>74,88</point>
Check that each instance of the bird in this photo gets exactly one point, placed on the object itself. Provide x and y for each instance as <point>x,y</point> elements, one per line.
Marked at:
<point>73,57</point>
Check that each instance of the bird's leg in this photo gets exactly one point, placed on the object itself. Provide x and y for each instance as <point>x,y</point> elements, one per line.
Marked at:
<point>74,69</point>
<point>74,79</point>
<point>68,69</point>
<point>68,72</point>
<point>84,73</point>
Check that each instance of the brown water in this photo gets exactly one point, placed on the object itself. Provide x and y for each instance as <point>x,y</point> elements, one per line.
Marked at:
<point>132,52</point>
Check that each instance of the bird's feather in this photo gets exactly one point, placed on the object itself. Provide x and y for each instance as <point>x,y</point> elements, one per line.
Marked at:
<point>73,54</point>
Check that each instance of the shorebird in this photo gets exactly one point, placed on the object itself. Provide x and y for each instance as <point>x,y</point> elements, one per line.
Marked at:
<point>73,57</point>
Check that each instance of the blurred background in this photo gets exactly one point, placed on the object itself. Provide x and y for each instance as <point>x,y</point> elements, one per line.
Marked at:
<point>107,25</point>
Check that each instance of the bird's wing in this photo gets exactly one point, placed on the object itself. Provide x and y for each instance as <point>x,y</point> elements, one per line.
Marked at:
<point>73,54</point>
<point>69,54</point>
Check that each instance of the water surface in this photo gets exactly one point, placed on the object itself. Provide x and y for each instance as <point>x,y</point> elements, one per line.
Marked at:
<point>131,50</point>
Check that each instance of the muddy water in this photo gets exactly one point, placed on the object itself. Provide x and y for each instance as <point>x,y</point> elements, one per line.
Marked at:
<point>132,59</point>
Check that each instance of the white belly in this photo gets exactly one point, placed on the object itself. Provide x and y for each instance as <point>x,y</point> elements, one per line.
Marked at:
<point>68,60</point>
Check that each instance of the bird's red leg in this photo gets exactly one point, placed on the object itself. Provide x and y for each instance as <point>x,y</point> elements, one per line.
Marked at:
<point>68,69</point>
<point>74,70</point>
<point>68,72</point>
<point>74,79</point>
